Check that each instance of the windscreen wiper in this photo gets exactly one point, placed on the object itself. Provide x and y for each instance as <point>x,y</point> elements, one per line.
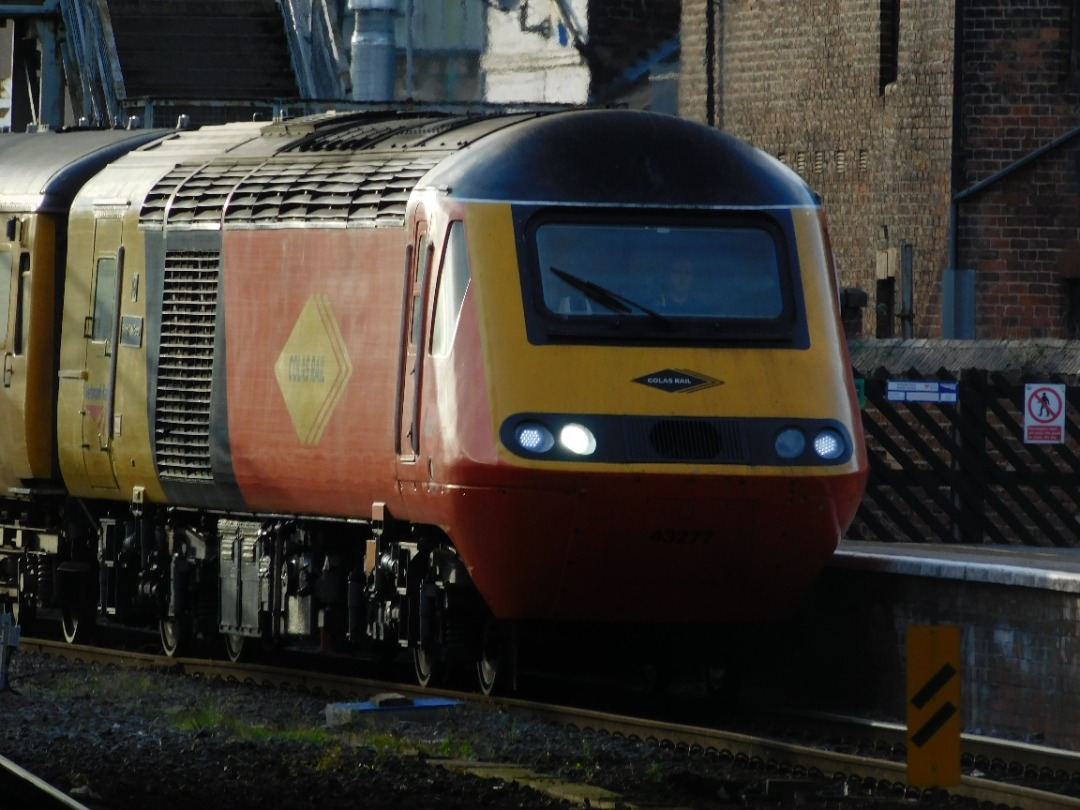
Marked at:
<point>608,298</point>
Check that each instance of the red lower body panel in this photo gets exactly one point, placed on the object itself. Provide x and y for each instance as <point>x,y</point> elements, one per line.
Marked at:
<point>640,548</point>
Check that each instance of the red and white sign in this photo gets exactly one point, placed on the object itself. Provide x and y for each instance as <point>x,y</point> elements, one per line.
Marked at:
<point>1044,413</point>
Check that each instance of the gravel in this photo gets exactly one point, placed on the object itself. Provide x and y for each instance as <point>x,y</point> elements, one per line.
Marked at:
<point>118,738</point>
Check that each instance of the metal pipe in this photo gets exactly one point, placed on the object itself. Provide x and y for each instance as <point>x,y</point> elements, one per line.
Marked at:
<point>907,291</point>
<point>373,50</point>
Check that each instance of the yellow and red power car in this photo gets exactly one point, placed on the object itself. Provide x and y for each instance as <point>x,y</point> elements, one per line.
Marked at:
<point>417,377</point>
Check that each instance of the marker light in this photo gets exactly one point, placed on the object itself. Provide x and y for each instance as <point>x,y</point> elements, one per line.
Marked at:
<point>828,444</point>
<point>577,439</point>
<point>534,437</point>
<point>790,443</point>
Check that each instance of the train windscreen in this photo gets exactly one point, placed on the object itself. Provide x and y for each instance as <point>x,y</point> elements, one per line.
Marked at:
<point>729,279</point>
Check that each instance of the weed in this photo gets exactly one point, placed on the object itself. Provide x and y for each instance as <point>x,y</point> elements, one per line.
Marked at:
<point>654,772</point>
<point>330,758</point>
<point>459,749</point>
<point>211,718</point>
<point>113,684</point>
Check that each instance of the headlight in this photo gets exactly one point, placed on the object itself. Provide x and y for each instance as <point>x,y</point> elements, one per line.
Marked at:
<point>578,439</point>
<point>829,444</point>
<point>533,437</point>
<point>790,443</point>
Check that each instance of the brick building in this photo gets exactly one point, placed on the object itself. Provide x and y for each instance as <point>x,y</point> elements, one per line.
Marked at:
<point>939,134</point>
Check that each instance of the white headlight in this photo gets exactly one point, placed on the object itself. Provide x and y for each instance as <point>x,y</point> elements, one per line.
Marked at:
<point>533,437</point>
<point>829,444</point>
<point>790,443</point>
<point>577,439</point>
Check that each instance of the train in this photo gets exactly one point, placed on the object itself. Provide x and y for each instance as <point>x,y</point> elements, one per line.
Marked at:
<point>415,380</point>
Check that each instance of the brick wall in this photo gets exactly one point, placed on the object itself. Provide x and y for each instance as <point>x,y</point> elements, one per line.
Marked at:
<point>1020,655</point>
<point>1020,91</point>
<point>808,87</point>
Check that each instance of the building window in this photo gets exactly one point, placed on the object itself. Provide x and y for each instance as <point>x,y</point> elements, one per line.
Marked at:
<point>884,307</point>
<point>890,42</point>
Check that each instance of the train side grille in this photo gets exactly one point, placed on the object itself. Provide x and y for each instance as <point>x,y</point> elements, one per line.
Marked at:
<point>185,365</point>
<point>716,441</point>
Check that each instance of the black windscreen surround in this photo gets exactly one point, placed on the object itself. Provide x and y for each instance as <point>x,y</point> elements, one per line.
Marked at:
<point>592,275</point>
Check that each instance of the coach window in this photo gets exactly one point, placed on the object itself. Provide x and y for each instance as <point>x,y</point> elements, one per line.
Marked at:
<point>453,282</point>
<point>104,296</point>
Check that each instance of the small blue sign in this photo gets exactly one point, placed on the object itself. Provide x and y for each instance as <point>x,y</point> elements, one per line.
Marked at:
<point>921,391</point>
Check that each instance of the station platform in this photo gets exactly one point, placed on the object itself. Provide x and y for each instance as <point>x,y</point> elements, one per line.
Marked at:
<point>1017,610</point>
<point>1020,566</point>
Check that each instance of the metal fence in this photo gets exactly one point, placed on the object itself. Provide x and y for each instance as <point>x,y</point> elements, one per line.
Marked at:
<point>969,470</point>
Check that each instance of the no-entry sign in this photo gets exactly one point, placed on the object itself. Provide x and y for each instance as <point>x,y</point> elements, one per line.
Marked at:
<point>1044,413</point>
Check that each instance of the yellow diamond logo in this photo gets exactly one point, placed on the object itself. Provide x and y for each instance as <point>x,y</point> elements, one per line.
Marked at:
<point>313,369</point>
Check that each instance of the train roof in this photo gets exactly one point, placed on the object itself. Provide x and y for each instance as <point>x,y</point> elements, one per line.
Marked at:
<point>621,157</point>
<point>42,171</point>
<point>360,169</point>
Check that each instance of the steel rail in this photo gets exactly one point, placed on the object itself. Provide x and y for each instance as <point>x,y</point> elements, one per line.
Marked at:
<point>766,750</point>
<point>20,789</point>
<point>740,746</point>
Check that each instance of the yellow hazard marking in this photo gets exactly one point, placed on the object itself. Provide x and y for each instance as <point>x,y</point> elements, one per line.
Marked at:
<point>933,706</point>
<point>313,369</point>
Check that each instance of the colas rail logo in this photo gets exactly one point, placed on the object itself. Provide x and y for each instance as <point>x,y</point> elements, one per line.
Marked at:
<point>313,369</point>
<point>678,381</point>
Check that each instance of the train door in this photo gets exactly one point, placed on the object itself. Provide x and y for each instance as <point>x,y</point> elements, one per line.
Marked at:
<point>101,333</point>
<point>14,268</point>
<point>412,357</point>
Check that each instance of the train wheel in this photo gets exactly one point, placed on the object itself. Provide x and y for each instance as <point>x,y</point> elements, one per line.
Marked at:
<point>174,640</point>
<point>494,664</point>
<point>77,624</point>
<point>429,667</point>
<point>488,674</point>
<point>238,648</point>
<point>23,610</point>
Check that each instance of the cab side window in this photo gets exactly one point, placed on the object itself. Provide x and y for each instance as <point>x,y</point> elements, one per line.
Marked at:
<point>104,298</point>
<point>453,281</point>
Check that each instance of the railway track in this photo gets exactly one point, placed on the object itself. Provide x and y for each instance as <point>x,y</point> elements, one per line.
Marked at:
<point>847,756</point>
<point>20,789</point>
